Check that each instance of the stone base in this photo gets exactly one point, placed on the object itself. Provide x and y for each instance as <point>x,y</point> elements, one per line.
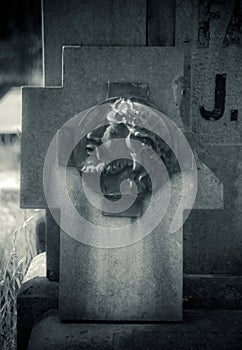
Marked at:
<point>204,329</point>
<point>38,295</point>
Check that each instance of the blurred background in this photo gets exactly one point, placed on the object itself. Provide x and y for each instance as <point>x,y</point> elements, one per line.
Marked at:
<point>21,231</point>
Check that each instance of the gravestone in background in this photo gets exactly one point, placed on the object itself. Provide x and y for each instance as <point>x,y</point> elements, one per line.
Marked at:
<point>213,240</point>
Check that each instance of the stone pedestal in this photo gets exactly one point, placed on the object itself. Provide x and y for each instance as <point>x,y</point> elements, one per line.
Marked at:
<point>201,329</point>
<point>39,295</point>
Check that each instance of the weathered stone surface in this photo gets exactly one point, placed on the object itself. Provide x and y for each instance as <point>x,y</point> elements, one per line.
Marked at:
<point>210,194</point>
<point>212,239</point>
<point>200,330</point>
<point>205,24</point>
<point>96,22</point>
<point>153,264</point>
<point>184,23</point>
<point>38,295</point>
<point>212,292</point>
<point>103,270</point>
<point>139,282</point>
<point>206,64</point>
<point>161,23</point>
<point>45,110</point>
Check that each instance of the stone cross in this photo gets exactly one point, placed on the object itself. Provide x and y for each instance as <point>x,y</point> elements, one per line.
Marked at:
<point>141,281</point>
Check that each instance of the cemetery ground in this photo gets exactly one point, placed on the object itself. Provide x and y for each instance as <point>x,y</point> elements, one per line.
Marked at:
<point>17,240</point>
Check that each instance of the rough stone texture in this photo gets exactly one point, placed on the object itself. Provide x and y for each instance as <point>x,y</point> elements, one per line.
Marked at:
<point>209,189</point>
<point>203,24</point>
<point>212,292</point>
<point>96,22</point>
<point>185,22</point>
<point>38,295</point>
<point>212,239</point>
<point>52,247</point>
<point>139,282</point>
<point>45,110</point>
<point>147,270</point>
<point>200,330</point>
<point>161,23</point>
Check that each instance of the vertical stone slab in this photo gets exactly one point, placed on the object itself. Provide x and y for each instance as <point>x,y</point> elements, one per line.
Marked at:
<point>161,22</point>
<point>139,282</point>
<point>185,23</point>
<point>212,242</point>
<point>93,22</point>
<point>142,281</point>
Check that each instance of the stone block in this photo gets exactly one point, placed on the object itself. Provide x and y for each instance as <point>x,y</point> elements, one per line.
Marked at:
<point>212,239</point>
<point>201,329</point>
<point>147,270</point>
<point>161,23</point>
<point>184,23</point>
<point>96,22</point>
<point>38,295</point>
<point>138,282</point>
<point>215,291</point>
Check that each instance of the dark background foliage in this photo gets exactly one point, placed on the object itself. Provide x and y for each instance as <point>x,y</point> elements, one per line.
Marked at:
<point>20,43</point>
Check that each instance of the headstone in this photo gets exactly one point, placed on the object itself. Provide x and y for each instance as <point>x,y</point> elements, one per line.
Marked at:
<point>209,31</point>
<point>139,282</point>
<point>80,72</point>
<point>160,69</point>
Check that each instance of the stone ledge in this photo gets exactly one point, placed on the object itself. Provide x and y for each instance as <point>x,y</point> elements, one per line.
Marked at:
<point>201,329</point>
<point>38,295</point>
<point>212,292</point>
